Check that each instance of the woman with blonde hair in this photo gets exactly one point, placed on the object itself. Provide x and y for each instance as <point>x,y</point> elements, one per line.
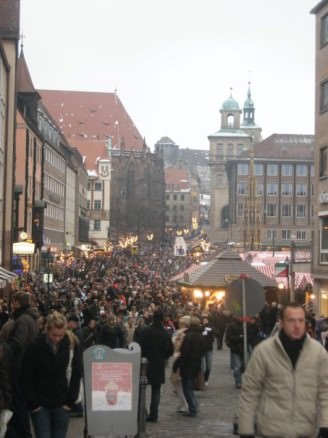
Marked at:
<point>51,376</point>
<point>177,338</point>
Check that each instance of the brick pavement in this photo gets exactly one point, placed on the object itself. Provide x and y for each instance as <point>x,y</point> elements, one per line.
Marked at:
<point>217,406</point>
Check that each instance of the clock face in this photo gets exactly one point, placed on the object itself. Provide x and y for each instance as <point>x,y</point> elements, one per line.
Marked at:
<point>104,171</point>
<point>23,235</point>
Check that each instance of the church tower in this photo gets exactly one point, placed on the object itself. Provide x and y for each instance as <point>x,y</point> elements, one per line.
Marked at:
<point>248,125</point>
<point>228,142</point>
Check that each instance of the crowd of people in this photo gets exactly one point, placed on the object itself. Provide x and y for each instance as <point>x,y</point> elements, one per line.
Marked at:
<point>111,300</point>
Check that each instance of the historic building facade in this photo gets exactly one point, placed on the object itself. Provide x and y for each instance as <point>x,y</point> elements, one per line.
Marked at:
<point>232,139</point>
<point>320,237</point>
<point>271,193</point>
<point>126,186</point>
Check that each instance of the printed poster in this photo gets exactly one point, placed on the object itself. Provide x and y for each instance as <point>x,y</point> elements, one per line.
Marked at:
<point>111,386</point>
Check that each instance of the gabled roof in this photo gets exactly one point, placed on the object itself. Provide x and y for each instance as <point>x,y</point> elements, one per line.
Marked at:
<point>91,152</point>
<point>24,81</point>
<point>9,19</point>
<point>92,116</point>
<point>225,268</point>
<point>177,178</point>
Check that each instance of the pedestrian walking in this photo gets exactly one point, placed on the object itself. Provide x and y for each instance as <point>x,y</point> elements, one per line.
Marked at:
<point>176,380</point>
<point>208,354</point>
<point>235,341</point>
<point>22,331</point>
<point>51,376</point>
<point>190,361</point>
<point>285,386</point>
<point>156,346</point>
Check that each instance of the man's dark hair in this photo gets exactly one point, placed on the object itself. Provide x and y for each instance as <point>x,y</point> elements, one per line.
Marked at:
<point>23,298</point>
<point>290,306</point>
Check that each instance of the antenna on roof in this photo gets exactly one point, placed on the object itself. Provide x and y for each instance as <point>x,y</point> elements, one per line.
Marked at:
<point>115,92</point>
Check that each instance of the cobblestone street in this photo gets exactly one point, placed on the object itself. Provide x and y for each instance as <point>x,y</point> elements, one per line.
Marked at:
<point>217,406</point>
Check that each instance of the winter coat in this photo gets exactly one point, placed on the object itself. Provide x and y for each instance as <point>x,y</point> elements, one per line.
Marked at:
<point>191,353</point>
<point>156,346</point>
<point>24,330</point>
<point>45,381</point>
<point>281,400</point>
<point>112,336</point>
<point>234,337</point>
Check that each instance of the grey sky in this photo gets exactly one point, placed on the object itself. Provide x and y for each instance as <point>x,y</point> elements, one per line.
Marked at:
<point>173,61</point>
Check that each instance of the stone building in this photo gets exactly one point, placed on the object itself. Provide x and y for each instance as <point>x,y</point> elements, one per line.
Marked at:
<point>320,237</point>
<point>232,139</point>
<point>126,181</point>
<point>9,37</point>
<point>280,170</point>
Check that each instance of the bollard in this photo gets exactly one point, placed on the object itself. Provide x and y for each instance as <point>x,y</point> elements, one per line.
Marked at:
<point>142,398</point>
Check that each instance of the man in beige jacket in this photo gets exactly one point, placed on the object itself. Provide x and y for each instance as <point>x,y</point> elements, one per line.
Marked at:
<point>285,386</point>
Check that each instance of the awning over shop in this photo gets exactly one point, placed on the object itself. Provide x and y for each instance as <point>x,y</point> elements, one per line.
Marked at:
<point>7,275</point>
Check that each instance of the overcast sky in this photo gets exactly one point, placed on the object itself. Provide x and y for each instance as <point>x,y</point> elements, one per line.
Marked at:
<point>173,61</point>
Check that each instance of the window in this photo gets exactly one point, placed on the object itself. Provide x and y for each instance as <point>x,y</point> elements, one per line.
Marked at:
<point>240,209</point>
<point>272,170</point>
<point>242,188</point>
<point>323,164</point>
<point>324,96</point>
<point>272,189</point>
<point>286,189</point>
<point>167,196</point>
<point>98,187</point>
<point>182,197</point>
<point>286,210</point>
<point>286,234</point>
<point>219,149</point>
<point>174,197</point>
<point>324,30</point>
<point>300,210</point>
<point>324,239</point>
<point>301,170</point>
<point>258,169</point>
<point>97,204</point>
<point>88,204</point>
<point>259,189</point>
<point>287,170</point>
<point>271,234</point>
<point>271,210</point>
<point>243,169</point>
<point>230,150</point>
<point>181,207</point>
<point>97,225</point>
<point>300,235</point>
<point>301,190</point>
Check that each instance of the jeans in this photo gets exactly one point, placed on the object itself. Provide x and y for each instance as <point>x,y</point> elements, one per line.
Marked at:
<point>188,390</point>
<point>237,365</point>
<point>154,401</point>
<point>207,364</point>
<point>50,423</point>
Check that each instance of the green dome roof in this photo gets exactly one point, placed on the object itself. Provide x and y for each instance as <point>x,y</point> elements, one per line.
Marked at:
<point>231,104</point>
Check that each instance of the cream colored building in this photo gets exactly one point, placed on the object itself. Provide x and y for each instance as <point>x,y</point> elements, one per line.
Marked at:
<point>320,237</point>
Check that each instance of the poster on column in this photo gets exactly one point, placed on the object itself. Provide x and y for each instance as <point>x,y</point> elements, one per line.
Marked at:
<point>111,386</point>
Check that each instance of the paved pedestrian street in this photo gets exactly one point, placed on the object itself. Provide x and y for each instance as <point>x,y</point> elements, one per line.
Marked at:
<point>217,406</point>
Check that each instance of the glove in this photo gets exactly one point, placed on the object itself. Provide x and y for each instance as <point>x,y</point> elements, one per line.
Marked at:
<point>323,432</point>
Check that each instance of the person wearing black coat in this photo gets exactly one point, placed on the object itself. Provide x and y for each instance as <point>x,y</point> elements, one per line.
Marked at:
<point>51,377</point>
<point>156,345</point>
<point>190,360</point>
